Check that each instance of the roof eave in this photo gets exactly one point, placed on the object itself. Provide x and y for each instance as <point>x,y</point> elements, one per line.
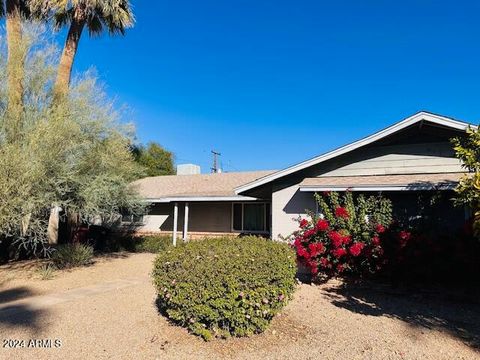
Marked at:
<point>199,199</point>
<point>436,119</point>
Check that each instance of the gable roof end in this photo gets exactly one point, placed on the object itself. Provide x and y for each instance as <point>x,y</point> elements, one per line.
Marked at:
<point>418,117</point>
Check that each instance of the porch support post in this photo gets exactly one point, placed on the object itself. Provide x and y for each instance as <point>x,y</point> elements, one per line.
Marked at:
<point>185,223</point>
<point>175,222</point>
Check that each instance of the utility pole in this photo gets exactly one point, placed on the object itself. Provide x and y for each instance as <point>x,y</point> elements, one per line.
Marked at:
<point>215,168</point>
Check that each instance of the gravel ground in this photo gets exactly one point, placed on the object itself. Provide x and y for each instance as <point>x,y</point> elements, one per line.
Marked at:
<point>107,311</point>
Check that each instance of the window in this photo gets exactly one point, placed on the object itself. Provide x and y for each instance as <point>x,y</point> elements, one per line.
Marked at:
<point>251,217</point>
<point>128,217</point>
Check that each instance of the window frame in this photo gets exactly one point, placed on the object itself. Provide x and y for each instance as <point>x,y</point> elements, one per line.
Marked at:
<point>265,222</point>
<point>130,220</point>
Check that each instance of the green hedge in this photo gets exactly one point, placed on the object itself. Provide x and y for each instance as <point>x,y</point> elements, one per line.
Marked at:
<point>154,243</point>
<point>227,286</point>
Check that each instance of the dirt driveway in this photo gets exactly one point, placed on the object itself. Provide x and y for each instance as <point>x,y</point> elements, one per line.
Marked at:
<point>107,311</point>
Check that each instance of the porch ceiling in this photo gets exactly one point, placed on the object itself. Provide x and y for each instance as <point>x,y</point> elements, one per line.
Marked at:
<point>440,181</point>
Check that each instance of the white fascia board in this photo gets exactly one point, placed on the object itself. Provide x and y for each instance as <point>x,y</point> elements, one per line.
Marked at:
<point>200,198</point>
<point>379,188</point>
<point>421,116</point>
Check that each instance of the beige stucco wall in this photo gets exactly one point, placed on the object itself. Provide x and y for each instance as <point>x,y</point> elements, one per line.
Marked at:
<point>287,205</point>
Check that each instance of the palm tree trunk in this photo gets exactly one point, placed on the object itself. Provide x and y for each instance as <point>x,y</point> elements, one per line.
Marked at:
<point>15,71</point>
<point>64,74</point>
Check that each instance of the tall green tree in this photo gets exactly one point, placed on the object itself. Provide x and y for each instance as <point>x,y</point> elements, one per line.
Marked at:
<point>114,16</point>
<point>14,11</point>
<point>154,159</point>
<point>75,156</point>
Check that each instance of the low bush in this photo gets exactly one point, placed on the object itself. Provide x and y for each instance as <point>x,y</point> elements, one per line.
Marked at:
<point>72,255</point>
<point>154,243</point>
<point>225,286</point>
<point>46,271</point>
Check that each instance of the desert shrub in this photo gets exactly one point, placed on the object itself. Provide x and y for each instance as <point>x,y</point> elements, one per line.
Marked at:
<point>72,255</point>
<point>154,243</point>
<point>225,286</point>
<point>346,235</point>
<point>46,271</point>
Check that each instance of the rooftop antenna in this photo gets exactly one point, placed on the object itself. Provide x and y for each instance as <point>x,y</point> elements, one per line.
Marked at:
<point>215,169</point>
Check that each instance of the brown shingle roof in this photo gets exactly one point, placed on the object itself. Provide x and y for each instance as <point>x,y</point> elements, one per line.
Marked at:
<point>200,185</point>
<point>383,180</point>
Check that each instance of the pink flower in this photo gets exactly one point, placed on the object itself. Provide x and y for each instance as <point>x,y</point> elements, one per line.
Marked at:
<point>281,297</point>
<point>404,237</point>
<point>322,225</point>
<point>341,213</point>
<point>376,240</point>
<point>379,228</point>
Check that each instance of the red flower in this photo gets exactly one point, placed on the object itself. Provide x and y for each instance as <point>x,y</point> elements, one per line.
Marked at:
<point>340,268</point>
<point>315,249</point>
<point>308,233</point>
<point>324,262</point>
<point>336,238</point>
<point>322,225</point>
<point>404,237</point>
<point>356,248</point>
<point>326,193</point>
<point>338,253</point>
<point>376,240</point>
<point>303,223</point>
<point>347,239</point>
<point>379,228</point>
<point>297,242</point>
<point>302,252</point>
<point>341,212</point>
<point>313,266</point>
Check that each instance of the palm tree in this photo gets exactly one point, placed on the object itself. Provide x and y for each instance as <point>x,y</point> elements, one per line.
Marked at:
<point>14,10</point>
<point>113,15</point>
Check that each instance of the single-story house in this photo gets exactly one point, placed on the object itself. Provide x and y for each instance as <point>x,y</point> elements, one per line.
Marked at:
<point>414,155</point>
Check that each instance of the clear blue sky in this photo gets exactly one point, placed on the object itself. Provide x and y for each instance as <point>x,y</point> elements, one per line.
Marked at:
<point>269,83</point>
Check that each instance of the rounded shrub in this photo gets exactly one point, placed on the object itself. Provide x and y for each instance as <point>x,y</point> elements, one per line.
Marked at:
<point>227,286</point>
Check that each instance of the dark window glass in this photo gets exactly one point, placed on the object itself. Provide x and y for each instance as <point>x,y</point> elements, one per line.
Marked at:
<point>237,217</point>
<point>254,217</point>
<point>267,216</point>
<point>137,218</point>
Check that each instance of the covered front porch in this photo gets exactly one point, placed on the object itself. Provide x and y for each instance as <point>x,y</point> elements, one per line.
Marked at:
<point>187,218</point>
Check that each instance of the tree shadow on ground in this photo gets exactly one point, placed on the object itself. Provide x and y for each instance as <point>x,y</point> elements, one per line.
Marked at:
<point>19,315</point>
<point>455,312</point>
<point>16,293</point>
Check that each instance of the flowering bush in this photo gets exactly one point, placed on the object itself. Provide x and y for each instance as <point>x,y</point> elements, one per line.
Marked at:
<point>346,236</point>
<point>222,287</point>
